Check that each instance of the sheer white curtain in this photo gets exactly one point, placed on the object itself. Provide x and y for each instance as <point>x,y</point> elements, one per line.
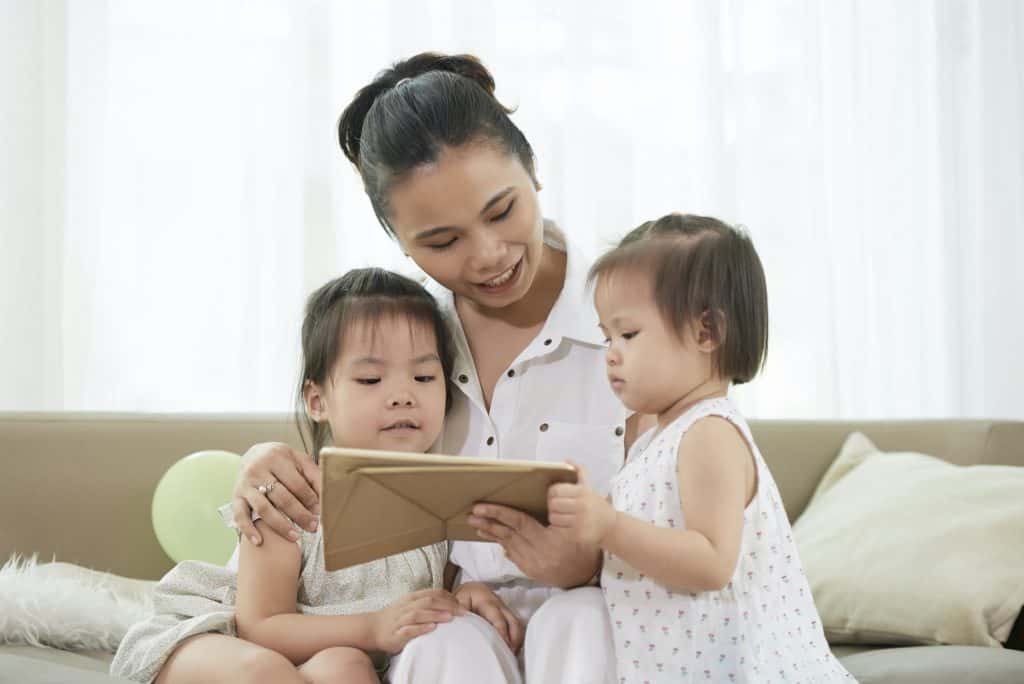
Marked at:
<point>172,187</point>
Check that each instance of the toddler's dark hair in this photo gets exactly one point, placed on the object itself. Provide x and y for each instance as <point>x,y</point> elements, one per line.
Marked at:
<point>701,267</point>
<point>410,112</point>
<point>364,295</point>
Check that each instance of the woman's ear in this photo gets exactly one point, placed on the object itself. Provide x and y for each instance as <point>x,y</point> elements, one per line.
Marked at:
<point>315,401</point>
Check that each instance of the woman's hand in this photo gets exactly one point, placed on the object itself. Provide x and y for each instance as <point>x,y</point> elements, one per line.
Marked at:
<point>544,554</point>
<point>411,616</point>
<point>478,598</point>
<point>583,514</point>
<point>294,494</point>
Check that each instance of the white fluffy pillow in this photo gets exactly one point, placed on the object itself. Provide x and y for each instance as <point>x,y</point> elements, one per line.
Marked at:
<point>67,606</point>
<point>903,548</point>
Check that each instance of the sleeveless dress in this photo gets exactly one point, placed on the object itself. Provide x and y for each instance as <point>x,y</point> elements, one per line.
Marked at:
<point>198,598</point>
<point>762,627</point>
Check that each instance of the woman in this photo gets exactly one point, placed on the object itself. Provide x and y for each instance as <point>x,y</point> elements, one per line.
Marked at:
<point>452,180</point>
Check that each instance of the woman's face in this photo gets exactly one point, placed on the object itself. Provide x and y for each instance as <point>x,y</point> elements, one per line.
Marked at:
<point>472,222</point>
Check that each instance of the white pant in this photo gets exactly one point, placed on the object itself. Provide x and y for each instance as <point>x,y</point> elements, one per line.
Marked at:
<point>568,641</point>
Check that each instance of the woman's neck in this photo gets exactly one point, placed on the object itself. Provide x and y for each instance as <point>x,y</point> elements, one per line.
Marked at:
<point>534,308</point>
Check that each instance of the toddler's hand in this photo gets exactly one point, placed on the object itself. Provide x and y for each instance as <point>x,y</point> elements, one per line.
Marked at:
<point>411,616</point>
<point>478,598</point>
<point>581,512</point>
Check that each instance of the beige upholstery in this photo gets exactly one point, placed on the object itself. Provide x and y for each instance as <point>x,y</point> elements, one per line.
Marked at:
<point>799,452</point>
<point>78,487</point>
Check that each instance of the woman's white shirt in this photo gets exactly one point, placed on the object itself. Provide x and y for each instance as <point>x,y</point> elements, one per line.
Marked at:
<point>553,403</point>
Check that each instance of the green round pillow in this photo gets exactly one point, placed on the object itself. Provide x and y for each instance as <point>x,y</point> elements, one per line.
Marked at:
<point>185,506</point>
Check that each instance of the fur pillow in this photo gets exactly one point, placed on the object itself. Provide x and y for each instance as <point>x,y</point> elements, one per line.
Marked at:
<point>67,606</point>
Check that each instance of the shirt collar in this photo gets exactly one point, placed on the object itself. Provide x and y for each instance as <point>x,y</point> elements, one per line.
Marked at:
<point>573,315</point>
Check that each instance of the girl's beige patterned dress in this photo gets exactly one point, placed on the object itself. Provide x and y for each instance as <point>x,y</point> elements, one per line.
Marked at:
<point>196,598</point>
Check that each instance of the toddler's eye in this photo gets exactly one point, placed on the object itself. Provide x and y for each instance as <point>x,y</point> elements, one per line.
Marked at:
<point>629,335</point>
<point>425,378</point>
<point>367,381</point>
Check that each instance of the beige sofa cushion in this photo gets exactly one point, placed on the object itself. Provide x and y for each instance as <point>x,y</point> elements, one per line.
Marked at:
<point>903,548</point>
<point>43,666</point>
<point>936,665</point>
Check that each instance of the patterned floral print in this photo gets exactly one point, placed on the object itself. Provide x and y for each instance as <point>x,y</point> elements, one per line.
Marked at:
<point>762,627</point>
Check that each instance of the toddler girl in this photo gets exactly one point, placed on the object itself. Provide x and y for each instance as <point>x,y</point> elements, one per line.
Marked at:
<point>701,576</point>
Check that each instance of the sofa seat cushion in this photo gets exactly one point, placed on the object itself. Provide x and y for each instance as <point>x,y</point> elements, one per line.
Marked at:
<point>936,665</point>
<point>35,665</point>
<point>845,650</point>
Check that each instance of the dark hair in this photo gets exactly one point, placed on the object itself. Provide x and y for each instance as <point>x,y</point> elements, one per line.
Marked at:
<point>701,267</point>
<point>361,295</point>
<point>412,111</point>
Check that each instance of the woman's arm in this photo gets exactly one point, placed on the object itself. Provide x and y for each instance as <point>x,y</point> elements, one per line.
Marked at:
<point>295,495</point>
<point>716,478</point>
<point>547,554</point>
<point>543,553</point>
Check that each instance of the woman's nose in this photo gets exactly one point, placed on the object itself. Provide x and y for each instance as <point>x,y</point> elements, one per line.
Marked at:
<point>490,251</point>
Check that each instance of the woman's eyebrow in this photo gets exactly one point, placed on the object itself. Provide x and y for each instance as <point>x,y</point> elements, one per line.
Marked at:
<point>427,234</point>
<point>498,196</point>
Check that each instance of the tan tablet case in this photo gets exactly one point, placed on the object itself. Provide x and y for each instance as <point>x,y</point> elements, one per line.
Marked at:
<point>379,503</point>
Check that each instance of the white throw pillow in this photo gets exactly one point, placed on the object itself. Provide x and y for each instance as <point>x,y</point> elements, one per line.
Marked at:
<point>903,548</point>
<point>67,606</point>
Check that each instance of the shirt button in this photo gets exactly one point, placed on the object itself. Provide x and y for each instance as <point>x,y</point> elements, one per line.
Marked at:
<point>463,378</point>
<point>543,427</point>
<point>511,372</point>
<point>547,342</point>
<point>490,441</point>
<point>619,431</point>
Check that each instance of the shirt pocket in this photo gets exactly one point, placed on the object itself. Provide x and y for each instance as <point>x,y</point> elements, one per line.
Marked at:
<point>598,448</point>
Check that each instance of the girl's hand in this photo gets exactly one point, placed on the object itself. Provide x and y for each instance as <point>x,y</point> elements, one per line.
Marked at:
<point>411,616</point>
<point>582,513</point>
<point>294,496</point>
<point>478,598</point>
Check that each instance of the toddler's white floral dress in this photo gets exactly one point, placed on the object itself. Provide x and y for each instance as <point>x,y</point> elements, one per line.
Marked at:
<point>762,627</point>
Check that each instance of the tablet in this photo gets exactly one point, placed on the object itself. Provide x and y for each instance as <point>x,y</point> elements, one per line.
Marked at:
<point>380,503</point>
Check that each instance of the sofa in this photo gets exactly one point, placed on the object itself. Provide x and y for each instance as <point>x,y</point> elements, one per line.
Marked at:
<point>77,488</point>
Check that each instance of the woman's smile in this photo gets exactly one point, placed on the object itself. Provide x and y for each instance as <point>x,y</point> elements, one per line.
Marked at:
<point>504,281</point>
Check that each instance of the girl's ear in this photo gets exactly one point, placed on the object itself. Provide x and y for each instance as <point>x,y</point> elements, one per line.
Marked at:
<point>710,331</point>
<point>315,401</point>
